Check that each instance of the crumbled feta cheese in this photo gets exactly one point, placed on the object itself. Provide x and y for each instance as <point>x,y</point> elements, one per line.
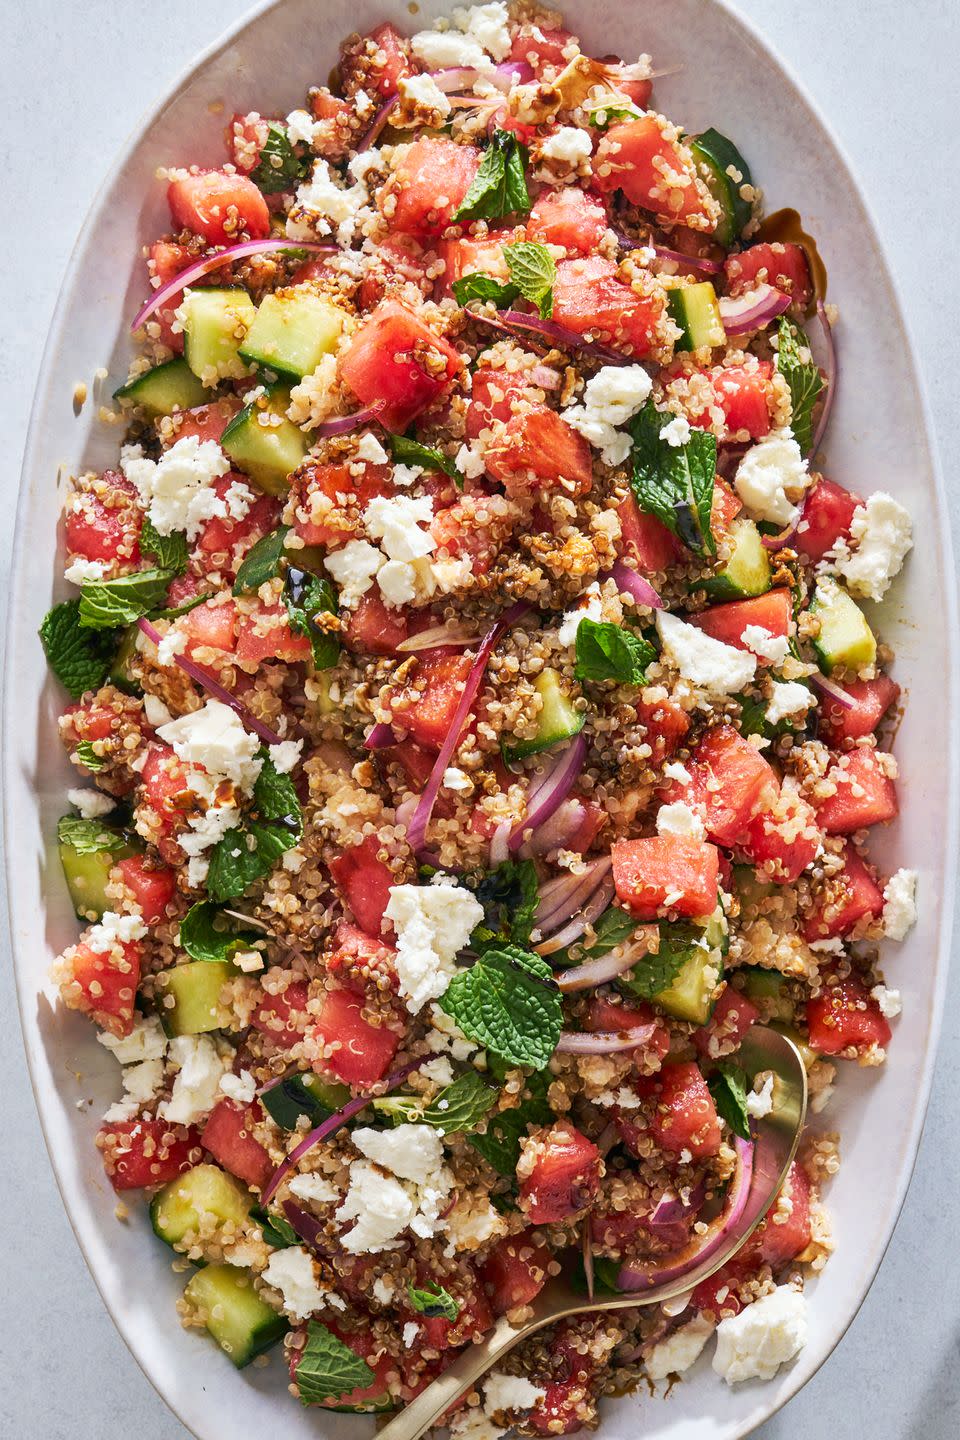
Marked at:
<point>675,1354</point>
<point>569,145</point>
<point>80,570</point>
<point>679,819</point>
<point>370,450</point>
<point>302,128</point>
<point>314,1187</point>
<point>880,537</point>
<point>472,1223</point>
<point>291,1271</point>
<point>395,520</point>
<point>412,1152</point>
<point>421,92</point>
<point>503,1392</point>
<point>706,662</point>
<point>381,1206</point>
<point>789,699</point>
<point>322,204</point>
<point>488,24</point>
<point>889,1001</point>
<point>410,1332</point>
<point>353,567</point>
<point>447,50</point>
<point>397,580</point>
<point>242,1087</point>
<point>470,462</point>
<point>768,647</point>
<point>384,1289</point>
<point>470,1423</point>
<point>764,1336</point>
<point>146,1041</point>
<point>433,923</point>
<point>214,738</point>
<point>438,1070</point>
<point>156,712</point>
<point>91,803</point>
<point>178,488</point>
<point>455,779</point>
<point>249,961</point>
<point>446,1035</point>
<point>899,904</point>
<point>760,1102</point>
<point>141,1083</point>
<point>114,929</point>
<point>285,755</point>
<point>197,1083</point>
<point>173,643</point>
<point>675,770</point>
<point>772,478</point>
<point>204,832</point>
<point>676,432</point>
<point>404,475</point>
<point>588,607</point>
<point>610,399</point>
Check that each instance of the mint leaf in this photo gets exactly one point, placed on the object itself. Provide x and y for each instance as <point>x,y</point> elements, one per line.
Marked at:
<point>329,1369</point>
<point>509,896</point>
<point>105,604</point>
<point>171,612</point>
<point>459,1106</point>
<point>657,972</point>
<point>275,796</point>
<point>803,380</point>
<point>601,115</point>
<point>728,1086</point>
<point>87,756</point>
<point>80,658</point>
<point>613,928</point>
<point>169,551</point>
<point>509,1003</point>
<point>410,452</point>
<point>250,851</point>
<point>90,837</point>
<point>533,272</point>
<point>675,482</point>
<point>500,1144</point>
<point>609,652</point>
<point>436,1305</point>
<point>261,562</point>
<point>280,167</point>
<point>307,598</point>
<point>499,187</point>
<point>480,286</point>
<point>202,940</point>
<point>275,1230</point>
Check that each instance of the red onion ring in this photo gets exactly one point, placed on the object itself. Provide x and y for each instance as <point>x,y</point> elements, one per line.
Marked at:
<point>670,1209</point>
<point>597,972</point>
<point>499,851</point>
<point>213,687</point>
<point>345,423</point>
<point>743,314</point>
<point>605,1042</point>
<point>833,375</point>
<point>592,911</point>
<point>510,321</point>
<point>381,737</point>
<point>690,262</point>
<point>377,124</point>
<point>559,903</point>
<point>777,542</point>
<point>436,638</point>
<point>504,76</point>
<point>559,831</point>
<point>832,691</point>
<point>331,1124</point>
<point>417,829</point>
<point>629,582</point>
<point>699,1250</point>
<point>553,789</point>
<point>308,1227</point>
<point>213,262</point>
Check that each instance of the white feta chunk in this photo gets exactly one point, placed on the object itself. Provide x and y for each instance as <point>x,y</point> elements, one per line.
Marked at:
<point>772,479</point>
<point>214,738</point>
<point>503,1393</point>
<point>764,1336</point>
<point>113,929</point>
<point>789,700</point>
<point>588,607</point>
<point>433,923</point>
<point>678,819</point>
<point>569,145</point>
<point>178,488</point>
<point>488,24</point>
<point>705,662</point>
<point>772,649</point>
<point>676,1354</point>
<point>611,398</point>
<point>196,1087</point>
<point>421,92</point>
<point>242,1088</point>
<point>146,1041</point>
<point>880,537</point>
<point>889,1001</point>
<point>760,1101</point>
<point>395,521</point>
<point>899,904</point>
<point>353,567</point>
<point>370,450</point>
<point>314,1187</point>
<point>286,755</point>
<point>292,1272</point>
<point>677,432</point>
<point>91,803</point>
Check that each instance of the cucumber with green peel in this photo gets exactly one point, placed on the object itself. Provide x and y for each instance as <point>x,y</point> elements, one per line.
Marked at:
<point>87,874</point>
<point>719,164</point>
<point>291,333</point>
<point>223,1299</point>
<point>195,989</point>
<point>305,1094</point>
<point>690,997</point>
<point>695,310</point>
<point>559,718</point>
<point>215,323</point>
<point>264,444</point>
<point>845,639</point>
<point>167,387</point>
<point>769,989</point>
<point>176,1210</point>
<point>747,572</point>
<point>120,673</point>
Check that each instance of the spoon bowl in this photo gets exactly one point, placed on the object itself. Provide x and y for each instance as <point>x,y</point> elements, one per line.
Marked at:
<point>775,1139</point>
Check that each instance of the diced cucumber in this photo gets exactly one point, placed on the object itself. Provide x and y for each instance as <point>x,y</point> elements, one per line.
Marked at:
<point>808,1055</point>
<point>120,674</point>
<point>694,308</point>
<point>165,388</point>
<point>747,572</point>
<point>769,988</point>
<point>264,444</point>
<point>749,887</point>
<point>292,332</point>
<point>690,997</point>
<point>845,638</point>
<point>320,687</point>
<point>215,322</point>
<point>195,988</point>
<point>559,718</point>
<point>715,156</point>
<point>175,1210</point>
<point>243,1325</point>
<point>87,875</point>
<point>306,1095</point>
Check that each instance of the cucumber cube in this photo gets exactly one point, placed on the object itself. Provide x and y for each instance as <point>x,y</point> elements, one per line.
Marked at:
<point>175,1210</point>
<point>165,388</point>
<point>747,572</point>
<point>195,988</point>
<point>694,308</point>
<point>292,332</point>
<point>215,322</point>
<point>845,640</point>
<point>222,1298</point>
<point>264,444</point>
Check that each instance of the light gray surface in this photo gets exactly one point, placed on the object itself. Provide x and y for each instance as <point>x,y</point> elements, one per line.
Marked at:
<point>77,78</point>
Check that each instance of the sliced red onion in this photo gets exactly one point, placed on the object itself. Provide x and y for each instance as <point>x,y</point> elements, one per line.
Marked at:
<point>690,262</point>
<point>381,737</point>
<point>379,121</point>
<point>833,375</point>
<point>510,321</point>
<point>203,266</point>
<point>606,1042</point>
<point>505,76</point>
<point>214,688</point>
<point>592,911</point>
<point>671,1210</point>
<point>332,1124</point>
<point>552,790</point>
<point>499,851</point>
<point>587,1250</point>
<point>558,832</point>
<point>599,971</point>
<point>832,691</point>
<point>782,537</point>
<point>702,1247</point>
<point>345,423</point>
<point>456,637</point>
<point>562,898</point>
<point>417,829</point>
<point>310,1230</point>
<point>742,314</point>
<point>630,583</point>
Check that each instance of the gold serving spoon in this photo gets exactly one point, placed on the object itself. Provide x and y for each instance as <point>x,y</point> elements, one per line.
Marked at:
<point>776,1137</point>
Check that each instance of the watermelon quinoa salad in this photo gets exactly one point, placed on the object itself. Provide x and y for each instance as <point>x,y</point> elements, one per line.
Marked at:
<point>483,730</point>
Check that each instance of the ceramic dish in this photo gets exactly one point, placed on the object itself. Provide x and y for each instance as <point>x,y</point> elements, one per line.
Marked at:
<point>879,434</point>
